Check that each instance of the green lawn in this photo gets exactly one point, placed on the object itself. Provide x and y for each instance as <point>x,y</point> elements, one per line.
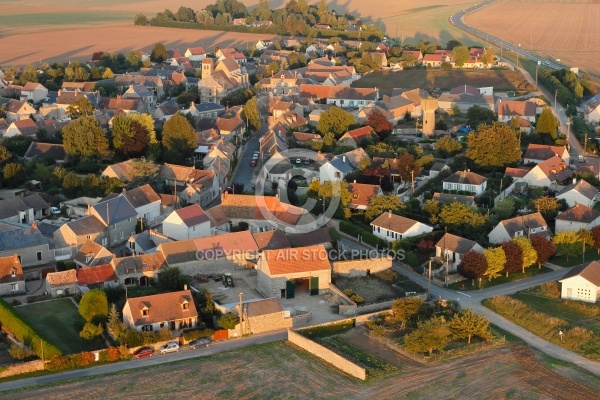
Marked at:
<point>59,321</point>
<point>591,254</point>
<point>512,277</point>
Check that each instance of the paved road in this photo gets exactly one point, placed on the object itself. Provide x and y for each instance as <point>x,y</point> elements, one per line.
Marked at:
<point>184,354</point>
<point>244,172</point>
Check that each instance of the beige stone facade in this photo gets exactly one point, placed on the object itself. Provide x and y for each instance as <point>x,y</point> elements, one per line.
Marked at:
<point>366,267</point>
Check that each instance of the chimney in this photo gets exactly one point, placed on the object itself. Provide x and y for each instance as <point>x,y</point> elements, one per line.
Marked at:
<point>16,258</point>
<point>34,224</point>
<point>574,181</point>
<point>185,286</point>
<point>344,158</point>
<point>124,190</point>
<point>390,214</point>
<point>355,181</point>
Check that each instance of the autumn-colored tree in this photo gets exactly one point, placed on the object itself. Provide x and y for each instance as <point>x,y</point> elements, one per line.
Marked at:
<point>131,134</point>
<point>568,243</point>
<point>493,146</point>
<point>544,249</point>
<point>447,146</point>
<point>81,107</point>
<point>159,53</point>
<point>595,233</point>
<point>251,114</point>
<point>407,167</point>
<point>432,207</point>
<point>547,206</point>
<point>473,266</point>
<point>335,120</point>
<point>461,55</point>
<point>458,214</point>
<point>496,259</point>
<point>404,309</point>
<point>14,174</point>
<point>433,334</point>
<point>380,124</point>
<point>488,57</point>
<point>466,324</point>
<point>84,137</point>
<point>514,257</point>
<point>178,138</point>
<point>547,123</point>
<point>382,203</point>
<point>5,155</point>
<point>529,253</point>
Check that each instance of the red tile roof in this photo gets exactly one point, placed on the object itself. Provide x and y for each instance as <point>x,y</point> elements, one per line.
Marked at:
<point>299,259</point>
<point>192,215</point>
<point>62,278</point>
<point>162,307</point>
<point>10,269</point>
<point>96,274</point>
<point>361,193</point>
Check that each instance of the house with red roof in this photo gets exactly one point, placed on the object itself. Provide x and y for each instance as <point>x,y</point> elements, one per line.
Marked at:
<point>97,276</point>
<point>355,137</point>
<point>508,109</point>
<point>286,273</point>
<point>12,280</point>
<point>536,153</point>
<point>361,194</point>
<point>173,311</point>
<point>187,223</point>
<point>195,53</point>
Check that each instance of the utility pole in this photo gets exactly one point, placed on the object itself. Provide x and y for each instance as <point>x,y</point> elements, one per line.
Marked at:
<point>585,147</point>
<point>536,74</point>
<point>555,94</point>
<point>412,174</point>
<point>568,132</point>
<point>429,279</point>
<point>241,316</point>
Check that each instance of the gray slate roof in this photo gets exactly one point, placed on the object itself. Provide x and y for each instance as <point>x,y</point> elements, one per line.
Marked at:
<point>20,238</point>
<point>119,209</point>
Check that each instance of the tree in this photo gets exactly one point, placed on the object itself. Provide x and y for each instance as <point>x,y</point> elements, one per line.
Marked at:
<point>140,19</point>
<point>477,115</point>
<point>404,309</point>
<point>514,257</point>
<point>467,324</point>
<point>335,120</point>
<point>159,53</point>
<point>29,75</point>
<point>134,59</point>
<point>262,12</point>
<point>493,146</point>
<point>452,44</point>
<point>93,306</point>
<point>529,253</point>
<point>495,259</point>
<point>447,146</point>
<point>473,266</point>
<point>14,174</point>
<point>458,214</point>
<point>544,249</point>
<point>595,233</point>
<point>330,191</point>
<point>81,107</point>
<point>108,74</point>
<point>114,323</point>
<point>547,123</point>
<point>251,114</point>
<point>76,72</point>
<point>504,208</point>
<point>433,334</point>
<point>547,206</point>
<point>461,55</point>
<point>407,167</point>
<point>91,331</point>
<point>71,183</point>
<point>567,243</point>
<point>131,133</point>
<point>382,203</point>
<point>85,138</point>
<point>5,155</point>
<point>171,279</point>
<point>228,321</point>
<point>380,124</point>
<point>489,56</point>
<point>432,207</point>
<point>178,138</point>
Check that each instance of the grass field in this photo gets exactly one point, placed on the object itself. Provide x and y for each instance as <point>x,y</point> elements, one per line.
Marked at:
<point>512,277</point>
<point>501,80</point>
<point>59,321</point>
<point>281,371</point>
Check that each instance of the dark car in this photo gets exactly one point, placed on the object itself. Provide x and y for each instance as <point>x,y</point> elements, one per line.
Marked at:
<point>253,163</point>
<point>143,352</point>
<point>202,342</point>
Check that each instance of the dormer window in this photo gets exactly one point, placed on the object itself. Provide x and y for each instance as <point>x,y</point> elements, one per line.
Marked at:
<point>185,305</point>
<point>145,312</point>
<point>13,272</point>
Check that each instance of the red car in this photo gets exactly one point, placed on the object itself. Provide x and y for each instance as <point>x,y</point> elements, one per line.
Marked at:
<point>253,163</point>
<point>143,352</point>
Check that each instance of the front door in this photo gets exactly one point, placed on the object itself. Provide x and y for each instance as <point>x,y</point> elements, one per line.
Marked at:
<point>569,293</point>
<point>289,290</point>
<point>314,286</point>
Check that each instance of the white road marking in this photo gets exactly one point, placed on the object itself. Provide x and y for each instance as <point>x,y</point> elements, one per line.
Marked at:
<point>464,294</point>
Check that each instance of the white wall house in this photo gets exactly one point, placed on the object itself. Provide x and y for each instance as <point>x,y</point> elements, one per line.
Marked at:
<point>549,172</point>
<point>577,218</point>
<point>452,248</point>
<point>525,225</point>
<point>146,202</point>
<point>579,192</point>
<point>187,223</point>
<point>466,181</point>
<point>582,283</point>
<point>392,227</point>
<point>536,153</point>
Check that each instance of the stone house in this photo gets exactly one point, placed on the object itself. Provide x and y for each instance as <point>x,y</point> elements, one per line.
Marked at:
<point>61,283</point>
<point>31,247</point>
<point>145,201</point>
<point>146,242</point>
<point>221,79</point>
<point>12,280</point>
<point>173,311</point>
<point>262,315</point>
<point>287,272</point>
<point>362,267</point>
<point>187,223</point>
<point>91,253</point>
<point>138,270</point>
<point>391,227</point>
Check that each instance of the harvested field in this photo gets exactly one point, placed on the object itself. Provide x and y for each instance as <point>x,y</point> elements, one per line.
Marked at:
<point>567,30</point>
<point>501,80</point>
<point>278,370</point>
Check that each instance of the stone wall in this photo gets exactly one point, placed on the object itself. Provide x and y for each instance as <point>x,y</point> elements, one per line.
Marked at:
<point>327,355</point>
<point>354,268</point>
<point>22,368</point>
<point>212,266</point>
<point>267,323</point>
<point>302,320</point>
<point>347,306</point>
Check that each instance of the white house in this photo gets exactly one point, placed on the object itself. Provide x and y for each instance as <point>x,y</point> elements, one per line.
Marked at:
<point>582,283</point>
<point>173,311</point>
<point>592,109</point>
<point>145,201</point>
<point>524,225</point>
<point>437,168</point>
<point>509,109</point>
<point>195,53</point>
<point>536,153</point>
<point>34,92</point>
<point>187,223</point>
<point>452,248</point>
<point>466,181</point>
<point>549,172</point>
<point>341,165</point>
<point>579,192</point>
<point>392,227</point>
<point>579,217</point>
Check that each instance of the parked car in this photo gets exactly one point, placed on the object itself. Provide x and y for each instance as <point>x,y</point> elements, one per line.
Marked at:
<point>170,347</point>
<point>298,161</point>
<point>142,352</point>
<point>253,163</point>
<point>54,210</point>
<point>256,155</point>
<point>202,342</point>
<point>307,161</point>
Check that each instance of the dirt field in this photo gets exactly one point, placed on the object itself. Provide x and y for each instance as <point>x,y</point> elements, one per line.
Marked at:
<point>281,371</point>
<point>567,30</point>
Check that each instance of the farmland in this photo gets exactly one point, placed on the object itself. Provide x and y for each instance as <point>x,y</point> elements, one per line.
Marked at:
<point>288,372</point>
<point>501,80</point>
<point>565,30</point>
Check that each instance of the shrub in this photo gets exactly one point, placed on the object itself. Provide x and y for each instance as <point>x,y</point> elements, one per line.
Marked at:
<point>19,353</point>
<point>71,361</point>
<point>357,299</point>
<point>228,321</point>
<point>197,334</point>
<point>21,329</point>
<point>550,289</point>
<point>131,338</point>
<point>90,331</point>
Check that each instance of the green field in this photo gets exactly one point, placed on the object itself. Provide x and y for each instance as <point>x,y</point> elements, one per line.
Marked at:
<point>69,18</point>
<point>59,321</point>
<point>512,277</point>
<point>501,80</point>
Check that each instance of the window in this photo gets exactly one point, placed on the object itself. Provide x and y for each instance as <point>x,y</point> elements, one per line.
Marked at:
<point>147,328</point>
<point>185,305</point>
<point>14,287</point>
<point>19,257</point>
<point>129,281</point>
<point>145,312</point>
<point>89,237</point>
<point>39,256</point>
<point>59,292</point>
<point>113,227</point>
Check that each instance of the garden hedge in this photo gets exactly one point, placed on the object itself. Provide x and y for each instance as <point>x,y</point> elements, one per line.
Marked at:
<point>12,322</point>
